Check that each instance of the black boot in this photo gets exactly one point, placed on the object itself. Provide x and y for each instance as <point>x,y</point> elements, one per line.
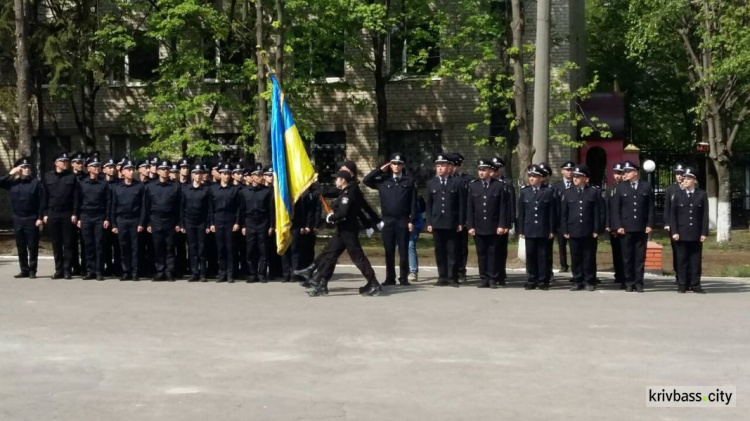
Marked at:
<point>321,287</point>
<point>306,273</point>
<point>373,289</point>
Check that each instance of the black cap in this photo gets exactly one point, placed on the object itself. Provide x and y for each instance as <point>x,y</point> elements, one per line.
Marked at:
<point>183,163</point>
<point>238,168</point>
<point>144,163</point>
<point>174,168</point>
<point>442,159</point>
<point>397,157</point>
<point>582,170</point>
<point>109,163</point>
<point>452,158</point>
<point>629,166</point>
<point>257,169</point>
<point>25,162</point>
<point>217,165</point>
<point>485,163</point>
<point>568,165</point>
<point>545,169</point>
<point>77,157</point>
<point>350,165</point>
<point>617,167</point>
<point>93,162</point>
<point>225,168</point>
<point>679,168</point>
<point>458,158</point>
<point>346,175</point>
<point>268,170</point>
<point>62,156</point>
<point>155,161</point>
<point>127,164</point>
<point>534,169</point>
<point>163,165</point>
<point>498,162</point>
<point>690,172</point>
<point>122,160</point>
<point>198,168</point>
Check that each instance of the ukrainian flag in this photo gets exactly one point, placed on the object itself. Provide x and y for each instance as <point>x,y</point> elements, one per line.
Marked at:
<point>292,169</point>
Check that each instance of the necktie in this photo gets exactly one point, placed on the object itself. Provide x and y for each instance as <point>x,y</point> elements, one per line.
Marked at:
<point>567,184</point>
<point>486,184</point>
<point>396,179</point>
<point>690,195</point>
<point>536,190</point>
<point>442,181</point>
<point>580,191</point>
<point>634,185</point>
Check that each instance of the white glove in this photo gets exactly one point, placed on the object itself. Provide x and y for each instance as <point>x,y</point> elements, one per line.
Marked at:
<point>328,218</point>
<point>380,225</point>
<point>369,232</point>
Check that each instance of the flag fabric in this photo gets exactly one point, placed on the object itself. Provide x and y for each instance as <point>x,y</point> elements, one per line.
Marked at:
<point>293,172</point>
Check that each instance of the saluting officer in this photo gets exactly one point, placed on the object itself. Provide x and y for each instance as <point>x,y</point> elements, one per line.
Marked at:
<point>398,205</point>
<point>486,221</point>
<point>632,218</point>
<point>225,219</point>
<point>536,222</point>
<point>445,216</point>
<point>93,211</point>
<point>614,238</point>
<point>257,207</point>
<point>26,197</point>
<point>194,216</point>
<point>163,199</point>
<point>679,170</point>
<point>498,168</point>
<point>128,219</point>
<point>560,186</point>
<point>60,190</point>
<point>346,237</point>
<point>580,223</point>
<point>688,222</point>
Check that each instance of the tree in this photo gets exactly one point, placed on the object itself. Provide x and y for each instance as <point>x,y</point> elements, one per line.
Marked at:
<point>23,76</point>
<point>715,40</point>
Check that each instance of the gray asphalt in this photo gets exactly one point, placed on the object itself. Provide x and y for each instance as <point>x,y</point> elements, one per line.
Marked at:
<point>87,350</point>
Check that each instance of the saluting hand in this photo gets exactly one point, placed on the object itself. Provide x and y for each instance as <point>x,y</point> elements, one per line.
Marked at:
<point>385,166</point>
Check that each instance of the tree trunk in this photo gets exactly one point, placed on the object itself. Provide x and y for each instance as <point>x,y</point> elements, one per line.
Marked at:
<point>712,190</point>
<point>381,100</point>
<point>264,148</point>
<point>280,41</point>
<point>541,81</point>
<point>23,77</point>
<point>724,209</point>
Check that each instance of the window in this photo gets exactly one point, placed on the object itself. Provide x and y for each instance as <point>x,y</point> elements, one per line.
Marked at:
<point>143,60</point>
<point>328,152</point>
<point>127,145</point>
<point>421,147</point>
<point>413,49</point>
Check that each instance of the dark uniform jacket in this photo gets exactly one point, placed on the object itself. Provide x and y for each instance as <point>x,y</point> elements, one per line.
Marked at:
<point>445,209</point>
<point>536,212</point>
<point>127,202</point>
<point>398,200</point>
<point>257,208</point>
<point>510,191</point>
<point>162,203</point>
<point>26,196</point>
<point>486,208</point>
<point>668,193</point>
<point>60,193</point>
<point>689,215</point>
<point>581,212</point>
<point>366,215</point>
<point>632,209</point>
<point>226,205</point>
<point>346,208</point>
<point>93,199</point>
<point>196,205</point>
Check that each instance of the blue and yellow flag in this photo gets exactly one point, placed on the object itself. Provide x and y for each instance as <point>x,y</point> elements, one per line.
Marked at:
<point>292,169</point>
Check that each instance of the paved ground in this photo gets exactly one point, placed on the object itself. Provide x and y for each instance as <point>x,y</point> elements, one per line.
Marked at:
<point>87,350</point>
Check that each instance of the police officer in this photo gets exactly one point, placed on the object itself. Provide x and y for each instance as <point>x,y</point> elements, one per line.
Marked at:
<point>224,220</point>
<point>181,264</point>
<point>580,223</point>
<point>398,204</point>
<point>688,221</point>
<point>614,238</point>
<point>238,240</point>
<point>256,202</point>
<point>26,197</point>
<point>146,266</point>
<point>60,190</point>
<point>128,219</point>
<point>560,186</point>
<point>546,174</point>
<point>143,171</point>
<point>536,222</point>
<point>462,247</point>
<point>93,213</point>
<point>112,262</point>
<point>346,237</point>
<point>498,168</point>
<point>445,216</point>
<point>77,160</point>
<point>304,227</point>
<point>486,221</point>
<point>632,219</point>
<point>679,170</point>
<point>194,216</point>
<point>163,199</point>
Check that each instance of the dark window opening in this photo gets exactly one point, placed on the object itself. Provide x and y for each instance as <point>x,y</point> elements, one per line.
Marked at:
<point>328,152</point>
<point>420,147</point>
<point>143,59</point>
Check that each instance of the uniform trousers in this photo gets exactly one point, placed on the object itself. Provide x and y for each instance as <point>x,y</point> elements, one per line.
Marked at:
<point>93,241</point>
<point>583,260</point>
<point>196,241</point>
<point>127,236</point>
<point>487,251</point>
<point>27,242</point>
<point>634,257</point>
<point>61,231</point>
<point>689,263</point>
<point>163,239</point>
<point>256,247</point>
<point>395,233</point>
<point>446,242</point>
<point>349,241</point>
<point>537,260</point>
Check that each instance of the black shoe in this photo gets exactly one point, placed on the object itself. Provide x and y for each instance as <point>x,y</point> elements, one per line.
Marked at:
<point>319,291</point>
<point>454,283</point>
<point>501,283</point>
<point>404,283</point>
<point>639,288</point>
<point>22,275</point>
<point>306,273</point>
<point>32,275</point>
<point>194,278</point>
<point>204,279</point>
<point>590,287</point>
<point>544,287</point>
<point>99,277</point>
<point>698,289</point>
<point>483,285</point>
<point>136,278</point>
<point>304,284</point>
<point>372,290</point>
<point>681,289</point>
<point>264,280</point>
<point>577,287</point>
<point>493,285</point>
<point>622,286</point>
<point>564,269</point>
<point>125,277</point>
<point>230,280</point>
<point>629,289</point>
<point>441,283</point>
<point>57,275</point>
<point>89,276</point>
<point>389,282</point>
<point>221,279</point>
<point>527,286</point>
<point>68,276</point>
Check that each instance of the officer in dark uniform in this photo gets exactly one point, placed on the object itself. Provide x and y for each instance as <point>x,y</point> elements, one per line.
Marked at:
<point>181,264</point>
<point>486,221</point>
<point>688,222</point>
<point>536,222</point>
<point>498,168</point>
<point>679,170</point>
<point>163,200</point>
<point>78,267</point>
<point>60,189</point>
<point>26,199</point>
<point>632,219</point>
<point>547,173</point>
<point>614,238</point>
<point>398,205</point>
<point>225,219</point>
<point>580,223</point>
<point>462,247</point>
<point>304,227</point>
<point>445,216</point>
<point>346,237</point>
<point>194,214</point>
<point>112,262</point>
<point>560,186</point>
<point>257,205</point>
<point>238,240</point>
<point>93,211</point>
<point>128,219</point>
<point>146,267</point>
